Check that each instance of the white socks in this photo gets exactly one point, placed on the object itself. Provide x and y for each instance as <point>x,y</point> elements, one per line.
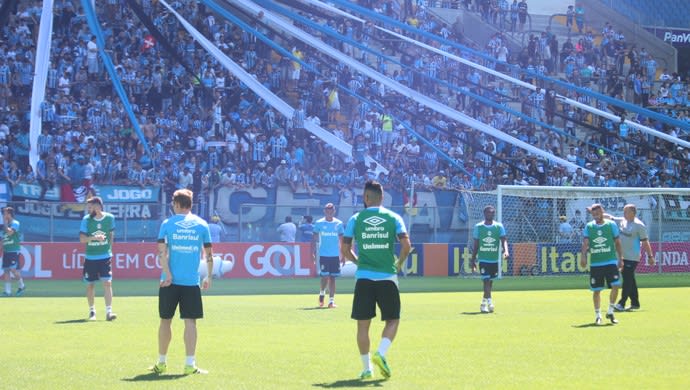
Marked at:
<point>384,345</point>
<point>366,362</point>
<point>108,309</point>
<point>162,359</point>
<point>190,361</point>
<point>610,311</point>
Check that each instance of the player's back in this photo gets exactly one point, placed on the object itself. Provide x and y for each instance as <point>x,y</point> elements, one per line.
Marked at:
<point>185,235</point>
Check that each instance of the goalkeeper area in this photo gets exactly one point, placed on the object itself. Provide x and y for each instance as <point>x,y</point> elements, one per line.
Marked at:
<point>544,225</point>
<point>270,334</point>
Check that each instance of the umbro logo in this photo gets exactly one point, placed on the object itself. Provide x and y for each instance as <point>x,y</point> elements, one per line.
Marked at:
<point>489,240</point>
<point>185,224</point>
<point>374,221</point>
<point>600,240</point>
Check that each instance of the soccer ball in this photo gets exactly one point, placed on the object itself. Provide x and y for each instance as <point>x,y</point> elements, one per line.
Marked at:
<point>220,267</point>
<point>348,269</point>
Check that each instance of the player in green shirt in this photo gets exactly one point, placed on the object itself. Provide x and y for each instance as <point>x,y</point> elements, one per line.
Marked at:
<point>487,235</point>
<point>97,231</point>
<point>601,242</point>
<point>11,245</point>
<point>375,230</point>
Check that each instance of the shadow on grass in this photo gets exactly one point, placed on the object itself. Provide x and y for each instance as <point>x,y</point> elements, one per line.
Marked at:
<point>64,322</point>
<point>152,377</point>
<point>351,383</point>
<point>473,313</point>
<point>591,325</point>
<point>311,308</point>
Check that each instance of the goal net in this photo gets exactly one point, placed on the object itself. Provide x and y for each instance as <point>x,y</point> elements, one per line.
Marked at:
<point>544,225</point>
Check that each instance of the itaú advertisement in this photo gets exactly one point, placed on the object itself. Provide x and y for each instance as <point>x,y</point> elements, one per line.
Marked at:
<point>565,258</point>
<point>140,260</point>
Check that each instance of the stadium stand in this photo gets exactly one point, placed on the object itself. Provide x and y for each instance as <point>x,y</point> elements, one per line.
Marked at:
<point>212,132</point>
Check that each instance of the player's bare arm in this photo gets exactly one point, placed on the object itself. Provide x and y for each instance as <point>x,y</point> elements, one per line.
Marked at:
<point>405,248</point>
<point>585,250</point>
<point>619,252</point>
<point>475,249</point>
<point>165,265</point>
<point>504,242</point>
<point>314,246</point>
<point>346,250</point>
<point>206,283</point>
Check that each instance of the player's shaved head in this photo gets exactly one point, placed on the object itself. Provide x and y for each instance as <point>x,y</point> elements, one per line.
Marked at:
<point>373,193</point>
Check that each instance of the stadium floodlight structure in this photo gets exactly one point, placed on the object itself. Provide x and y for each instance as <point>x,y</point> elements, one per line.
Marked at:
<point>532,216</point>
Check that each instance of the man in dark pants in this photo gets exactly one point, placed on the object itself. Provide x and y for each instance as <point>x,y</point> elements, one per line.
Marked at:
<point>634,238</point>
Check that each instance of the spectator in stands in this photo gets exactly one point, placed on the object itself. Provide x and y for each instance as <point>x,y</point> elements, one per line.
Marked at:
<point>522,14</point>
<point>287,230</point>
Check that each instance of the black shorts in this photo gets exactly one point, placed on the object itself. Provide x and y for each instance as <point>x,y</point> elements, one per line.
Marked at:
<point>368,293</point>
<point>10,260</point>
<point>95,270</point>
<point>330,266</point>
<point>608,273</point>
<point>189,298</point>
<point>488,270</point>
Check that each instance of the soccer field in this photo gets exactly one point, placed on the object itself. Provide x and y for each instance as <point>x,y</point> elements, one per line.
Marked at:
<point>537,338</point>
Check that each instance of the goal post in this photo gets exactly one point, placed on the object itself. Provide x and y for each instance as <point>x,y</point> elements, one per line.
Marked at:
<point>544,225</point>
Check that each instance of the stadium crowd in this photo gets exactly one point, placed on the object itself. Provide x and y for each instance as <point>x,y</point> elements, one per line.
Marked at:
<point>212,131</point>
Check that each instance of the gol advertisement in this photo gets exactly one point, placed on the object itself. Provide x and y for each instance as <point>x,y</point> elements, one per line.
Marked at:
<point>140,260</point>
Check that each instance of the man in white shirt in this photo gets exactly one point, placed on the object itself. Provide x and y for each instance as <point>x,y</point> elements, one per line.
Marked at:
<point>287,230</point>
<point>92,58</point>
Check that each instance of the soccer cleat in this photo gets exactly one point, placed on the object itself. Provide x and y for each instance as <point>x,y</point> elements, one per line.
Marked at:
<point>332,305</point>
<point>20,291</point>
<point>491,308</point>
<point>618,307</point>
<point>612,318</point>
<point>484,308</point>
<point>189,370</point>
<point>6,294</point>
<point>320,300</point>
<point>366,374</point>
<point>92,316</point>
<point>110,316</point>
<point>381,363</point>
<point>159,368</point>
<point>597,321</point>
<point>633,307</point>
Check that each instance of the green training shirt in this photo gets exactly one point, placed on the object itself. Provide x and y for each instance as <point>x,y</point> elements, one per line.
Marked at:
<point>98,250</point>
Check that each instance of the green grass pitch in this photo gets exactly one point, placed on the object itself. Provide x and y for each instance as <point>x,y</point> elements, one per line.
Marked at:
<point>269,334</point>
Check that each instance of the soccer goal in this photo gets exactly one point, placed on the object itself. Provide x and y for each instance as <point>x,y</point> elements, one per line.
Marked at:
<point>544,224</point>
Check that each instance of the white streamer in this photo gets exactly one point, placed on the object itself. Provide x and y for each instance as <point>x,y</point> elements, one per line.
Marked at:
<point>263,92</point>
<point>515,81</point>
<point>38,92</point>
<point>403,90</point>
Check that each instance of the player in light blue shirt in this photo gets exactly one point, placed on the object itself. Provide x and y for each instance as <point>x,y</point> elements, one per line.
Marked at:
<point>181,240</point>
<point>328,233</point>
